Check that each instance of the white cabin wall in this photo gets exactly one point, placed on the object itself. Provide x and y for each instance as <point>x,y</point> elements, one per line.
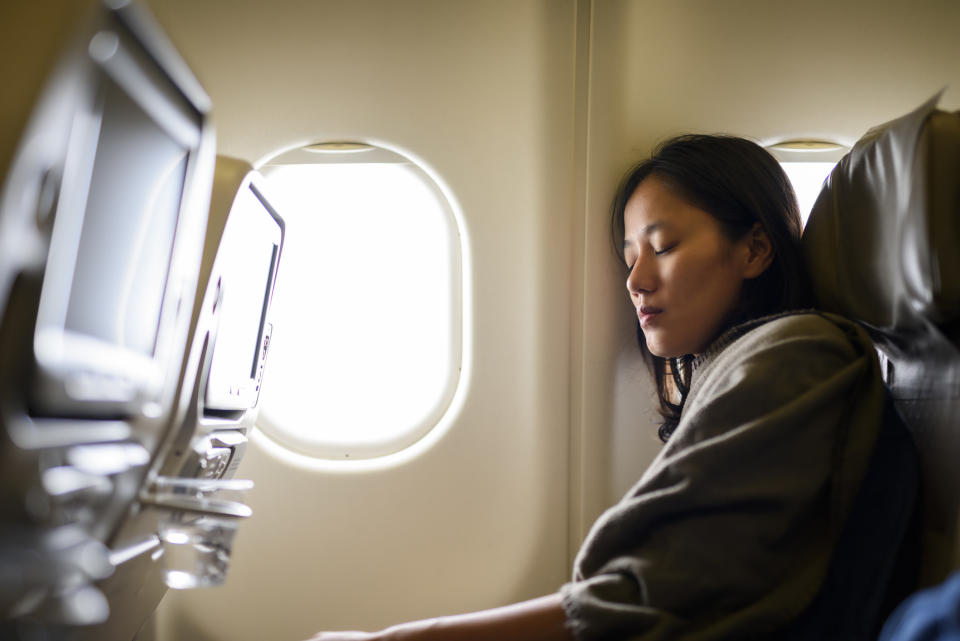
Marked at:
<point>613,434</point>
<point>778,70</point>
<point>481,93</point>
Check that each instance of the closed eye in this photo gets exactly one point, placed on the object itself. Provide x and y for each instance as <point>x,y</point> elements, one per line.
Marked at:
<point>665,250</point>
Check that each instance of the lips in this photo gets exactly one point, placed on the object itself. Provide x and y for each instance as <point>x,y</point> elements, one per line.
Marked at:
<point>647,314</point>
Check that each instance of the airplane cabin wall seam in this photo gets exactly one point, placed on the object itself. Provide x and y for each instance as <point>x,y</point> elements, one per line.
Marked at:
<point>577,420</point>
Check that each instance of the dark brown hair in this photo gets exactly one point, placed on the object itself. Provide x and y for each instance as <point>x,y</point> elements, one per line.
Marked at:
<point>739,183</point>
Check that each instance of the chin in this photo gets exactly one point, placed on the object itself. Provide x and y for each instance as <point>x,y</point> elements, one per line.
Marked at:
<point>663,351</point>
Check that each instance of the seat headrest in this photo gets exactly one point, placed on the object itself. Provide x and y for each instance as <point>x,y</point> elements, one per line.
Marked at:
<point>883,240</point>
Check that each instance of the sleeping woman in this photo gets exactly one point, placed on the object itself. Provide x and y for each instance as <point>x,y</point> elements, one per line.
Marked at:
<point>778,504</point>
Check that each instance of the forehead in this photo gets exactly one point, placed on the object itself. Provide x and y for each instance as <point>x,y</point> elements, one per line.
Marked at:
<point>654,206</point>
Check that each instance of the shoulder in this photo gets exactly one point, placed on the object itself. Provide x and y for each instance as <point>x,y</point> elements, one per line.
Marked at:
<point>800,336</point>
<point>789,361</point>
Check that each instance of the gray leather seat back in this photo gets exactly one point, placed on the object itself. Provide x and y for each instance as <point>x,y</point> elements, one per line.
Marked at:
<point>883,247</point>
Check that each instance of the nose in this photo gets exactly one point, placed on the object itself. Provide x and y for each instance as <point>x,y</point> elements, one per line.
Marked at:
<point>642,278</point>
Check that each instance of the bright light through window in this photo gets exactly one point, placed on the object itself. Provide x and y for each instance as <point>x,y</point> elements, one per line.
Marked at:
<point>365,352</point>
<point>807,179</point>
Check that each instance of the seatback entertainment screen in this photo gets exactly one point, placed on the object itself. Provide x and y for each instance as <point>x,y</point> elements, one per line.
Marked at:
<point>128,230</point>
<point>248,256</point>
<point>105,341</point>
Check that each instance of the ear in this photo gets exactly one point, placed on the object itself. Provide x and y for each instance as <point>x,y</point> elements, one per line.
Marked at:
<point>758,252</point>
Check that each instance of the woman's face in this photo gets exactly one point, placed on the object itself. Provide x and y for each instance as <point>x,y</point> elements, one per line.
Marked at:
<point>685,274</point>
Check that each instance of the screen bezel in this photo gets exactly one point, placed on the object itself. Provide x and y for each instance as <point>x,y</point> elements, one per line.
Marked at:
<point>77,373</point>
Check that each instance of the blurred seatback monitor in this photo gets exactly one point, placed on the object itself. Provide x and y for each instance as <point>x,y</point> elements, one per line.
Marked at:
<point>105,319</point>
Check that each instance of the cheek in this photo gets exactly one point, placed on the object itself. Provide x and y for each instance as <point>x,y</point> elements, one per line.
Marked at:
<point>720,289</point>
<point>710,284</point>
<point>692,275</point>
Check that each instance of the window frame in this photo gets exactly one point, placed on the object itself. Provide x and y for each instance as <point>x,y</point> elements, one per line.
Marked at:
<point>343,449</point>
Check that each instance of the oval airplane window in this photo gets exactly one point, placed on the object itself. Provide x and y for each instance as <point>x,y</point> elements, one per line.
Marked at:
<point>807,164</point>
<point>366,350</point>
<point>807,180</point>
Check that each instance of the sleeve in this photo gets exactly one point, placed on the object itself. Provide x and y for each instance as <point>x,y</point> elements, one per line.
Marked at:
<point>729,532</point>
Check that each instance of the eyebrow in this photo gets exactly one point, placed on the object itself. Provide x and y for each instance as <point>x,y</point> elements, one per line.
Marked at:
<point>647,230</point>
